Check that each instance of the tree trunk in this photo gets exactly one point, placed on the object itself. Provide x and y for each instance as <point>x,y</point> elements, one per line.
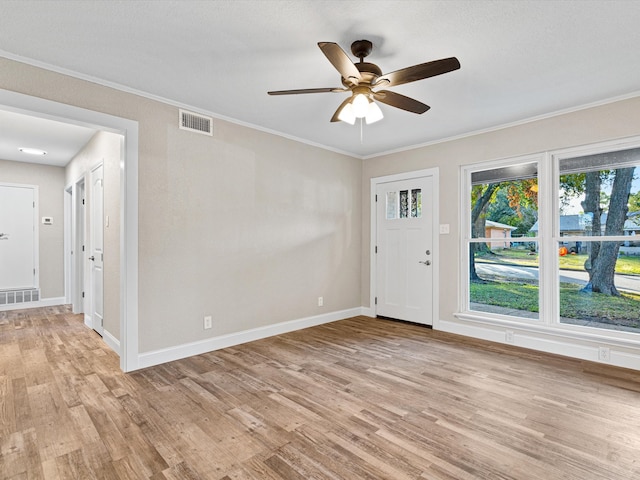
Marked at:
<point>602,274</point>
<point>591,204</point>
<point>477,228</point>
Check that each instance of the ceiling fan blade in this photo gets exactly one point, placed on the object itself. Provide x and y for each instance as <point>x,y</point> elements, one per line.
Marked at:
<point>418,72</point>
<point>400,101</point>
<point>307,90</point>
<point>335,115</point>
<point>341,61</point>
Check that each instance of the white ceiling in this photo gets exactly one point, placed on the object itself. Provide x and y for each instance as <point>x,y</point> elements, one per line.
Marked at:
<point>60,140</point>
<point>520,59</point>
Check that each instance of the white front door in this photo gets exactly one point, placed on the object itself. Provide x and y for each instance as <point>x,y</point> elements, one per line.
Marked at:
<point>404,243</point>
<point>96,257</point>
<point>17,237</point>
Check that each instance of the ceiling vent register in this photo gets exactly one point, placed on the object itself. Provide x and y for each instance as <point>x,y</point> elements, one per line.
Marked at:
<point>196,123</point>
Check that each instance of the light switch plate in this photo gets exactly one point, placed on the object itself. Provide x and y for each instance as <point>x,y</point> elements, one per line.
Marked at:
<point>444,228</point>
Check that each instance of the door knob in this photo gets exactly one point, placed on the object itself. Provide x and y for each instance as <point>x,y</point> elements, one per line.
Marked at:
<point>92,258</point>
<point>426,262</point>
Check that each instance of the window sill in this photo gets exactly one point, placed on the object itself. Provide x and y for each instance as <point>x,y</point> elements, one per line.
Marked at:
<point>571,332</point>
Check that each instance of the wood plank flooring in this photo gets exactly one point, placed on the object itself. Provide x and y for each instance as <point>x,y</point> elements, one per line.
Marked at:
<point>356,399</point>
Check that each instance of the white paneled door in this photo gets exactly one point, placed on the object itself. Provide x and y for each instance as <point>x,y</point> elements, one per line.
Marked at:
<point>96,257</point>
<point>17,237</point>
<point>404,242</point>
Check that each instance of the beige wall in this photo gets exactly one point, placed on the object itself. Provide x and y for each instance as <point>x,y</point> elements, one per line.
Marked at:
<point>50,182</point>
<point>105,148</point>
<point>248,227</point>
<point>607,122</point>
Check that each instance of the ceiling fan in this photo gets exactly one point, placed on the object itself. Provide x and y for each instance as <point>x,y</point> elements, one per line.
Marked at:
<point>365,81</point>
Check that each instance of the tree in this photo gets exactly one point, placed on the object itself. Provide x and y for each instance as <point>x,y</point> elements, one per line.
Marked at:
<point>603,255</point>
<point>481,195</point>
<point>522,216</point>
<point>519,194</point>
<point>601,263</point>
<point>634,202</point>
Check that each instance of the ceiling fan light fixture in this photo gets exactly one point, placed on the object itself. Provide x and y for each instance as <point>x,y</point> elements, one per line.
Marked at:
<point>347,115</point>
<point>360,104</point>
<point>374,113</point>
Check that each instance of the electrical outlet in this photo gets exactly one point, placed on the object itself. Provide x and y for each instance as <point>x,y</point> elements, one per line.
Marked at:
<point>604,354</point>
<point>207,322</point>
<point>320,301</point>
<point>509,336</point>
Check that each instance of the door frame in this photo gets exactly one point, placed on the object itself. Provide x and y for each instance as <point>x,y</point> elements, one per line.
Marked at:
<point>435,212</point>
<point>127,346</point>
<point>74,263</point>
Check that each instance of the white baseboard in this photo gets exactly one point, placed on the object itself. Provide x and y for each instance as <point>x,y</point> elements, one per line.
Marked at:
<point>156,357</point>
<point>558,343</point>
<point>44,302</point>
<point>87,320</point>
<point>111,341</point>
<point>368,312</point>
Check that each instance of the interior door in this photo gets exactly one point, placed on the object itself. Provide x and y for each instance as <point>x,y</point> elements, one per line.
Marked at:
<point>404,258</point>
<point>96,257</point>
<point>17,237</point>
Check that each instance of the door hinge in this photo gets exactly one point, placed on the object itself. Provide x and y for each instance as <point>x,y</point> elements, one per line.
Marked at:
<point>83,248</point>
<point>34,271</point>
<point>376,301</point>
<point>376,197</point>
<point>82,294</point>
<point>83,201</point>
<point>376,249</point>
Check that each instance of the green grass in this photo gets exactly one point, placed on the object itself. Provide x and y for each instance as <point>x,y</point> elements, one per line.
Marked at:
<point>626,264</point>
<point>623,310</point>
<point>505,294</point>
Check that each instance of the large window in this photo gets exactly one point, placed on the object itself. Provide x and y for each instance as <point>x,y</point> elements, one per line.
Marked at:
<point>503,248</point>
<point>551,239</point>
<point>596,222</point>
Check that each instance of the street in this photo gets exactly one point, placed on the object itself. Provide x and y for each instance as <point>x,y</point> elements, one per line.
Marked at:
<point>628,283</point>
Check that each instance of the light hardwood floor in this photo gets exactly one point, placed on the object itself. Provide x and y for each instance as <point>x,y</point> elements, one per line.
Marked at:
<point>359,398</point>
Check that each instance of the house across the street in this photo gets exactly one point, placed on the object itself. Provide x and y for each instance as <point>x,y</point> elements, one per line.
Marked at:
<point>580,225</point>
<point>499,231</point>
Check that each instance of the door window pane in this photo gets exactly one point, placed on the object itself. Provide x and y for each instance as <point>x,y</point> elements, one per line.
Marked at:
<point>392,205</point>
<point>404,203</point>
<point>416,203</point>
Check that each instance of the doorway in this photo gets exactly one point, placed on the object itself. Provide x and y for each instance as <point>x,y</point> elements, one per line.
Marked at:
<point>404,251</point>
<point>127,345</point>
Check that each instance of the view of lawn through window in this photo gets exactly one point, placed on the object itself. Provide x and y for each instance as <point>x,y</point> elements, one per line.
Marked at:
<point>598,257</point>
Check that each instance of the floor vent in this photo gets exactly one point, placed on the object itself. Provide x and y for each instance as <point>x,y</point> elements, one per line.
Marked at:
<point>11,297</point>
<point>196,123</point>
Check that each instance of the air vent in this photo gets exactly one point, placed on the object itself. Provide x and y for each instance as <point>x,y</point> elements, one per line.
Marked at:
<point>10,297</point>
<point>196,123</point>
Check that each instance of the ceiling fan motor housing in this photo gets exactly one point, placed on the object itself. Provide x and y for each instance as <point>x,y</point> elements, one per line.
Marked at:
<point>368,71</point>
<point>361,48</point>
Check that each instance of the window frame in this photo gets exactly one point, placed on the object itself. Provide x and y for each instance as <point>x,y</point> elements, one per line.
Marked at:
<point>547,237</point>
<point>467,239</point>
